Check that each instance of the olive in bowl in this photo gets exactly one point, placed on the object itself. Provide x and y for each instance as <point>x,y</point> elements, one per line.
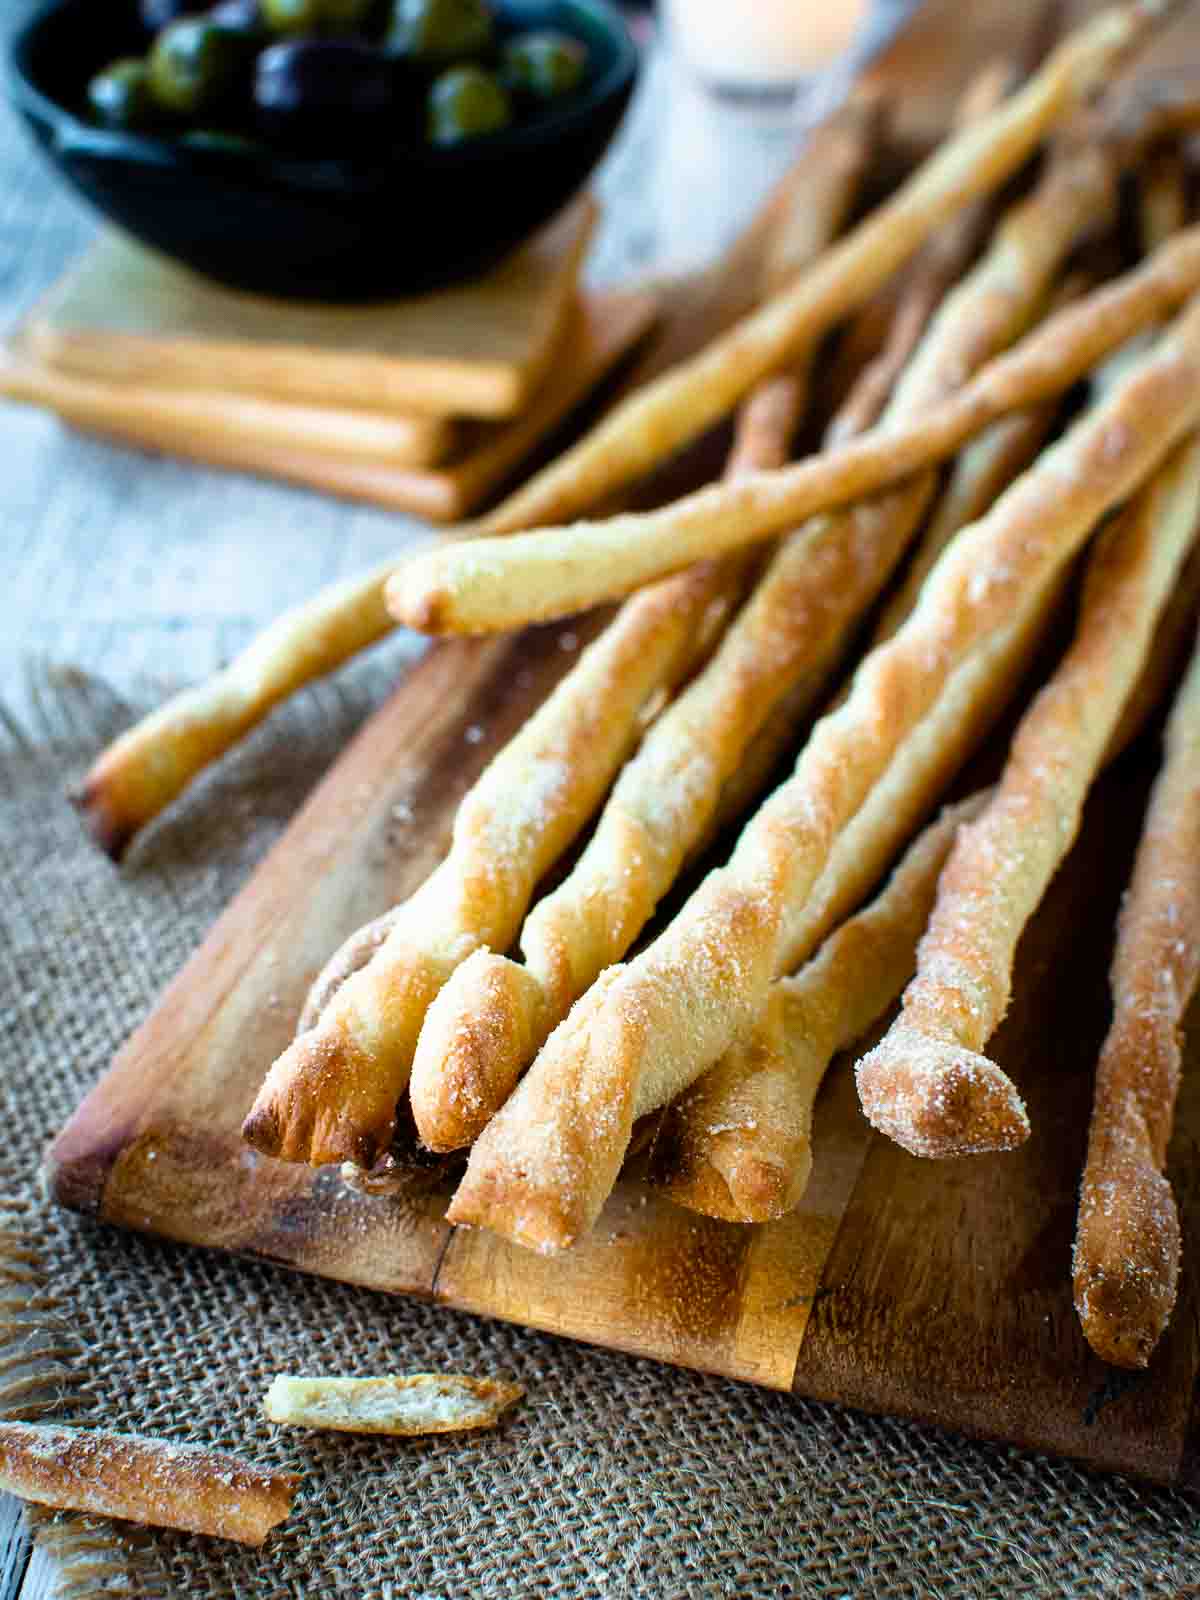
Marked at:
<point>303,86</point>
<point>395,215</point>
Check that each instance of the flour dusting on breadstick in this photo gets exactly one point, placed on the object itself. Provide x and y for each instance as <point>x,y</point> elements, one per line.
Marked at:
<point>142,1479</point>
<point>542,1170</point>
<point>1128,1242</point>
<point>927,1084</point>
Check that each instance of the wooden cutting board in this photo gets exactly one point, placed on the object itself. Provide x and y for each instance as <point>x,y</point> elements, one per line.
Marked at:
<point>938,1291</point>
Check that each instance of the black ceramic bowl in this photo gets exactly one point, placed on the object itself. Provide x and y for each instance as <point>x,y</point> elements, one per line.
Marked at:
<point>391,222</point>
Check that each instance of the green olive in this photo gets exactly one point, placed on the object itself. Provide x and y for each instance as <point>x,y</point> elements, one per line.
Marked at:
<point>293,16</point>
<point>438,31</point>
<point>193,65</point>
<point>119,97</point>
<point>464,103</point>
<point>544,65</point>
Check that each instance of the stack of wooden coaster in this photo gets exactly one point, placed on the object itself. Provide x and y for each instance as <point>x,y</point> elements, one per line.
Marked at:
<point>427,405</point>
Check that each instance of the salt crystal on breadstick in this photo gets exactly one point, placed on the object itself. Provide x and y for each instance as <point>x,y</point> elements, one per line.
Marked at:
<point>1127,1244</point>
<point>541,1171</point>
<point>927,1085</point>
<point>143,1480</point>
<point>739,1144</point>
<point>660,418</point>
<point>332,1095</point>
<point>494,584</point>
<point>493,1015</point>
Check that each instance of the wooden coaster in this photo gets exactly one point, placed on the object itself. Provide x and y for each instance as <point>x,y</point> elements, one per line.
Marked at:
<point>126,314</point>
<point>210,428</point>
<point>226,423</point>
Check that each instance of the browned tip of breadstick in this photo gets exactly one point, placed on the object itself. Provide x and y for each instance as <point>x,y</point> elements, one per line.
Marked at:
<point>143,1480</point>
<point>939,1100</point>
<point>111,831</point>
<point>478,1035</point>
<point>425,1402</point>
<point>316,1105</point>
<point>1126,1266</point>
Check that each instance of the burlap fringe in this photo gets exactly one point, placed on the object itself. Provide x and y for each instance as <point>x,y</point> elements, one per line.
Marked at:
<point>38,1359</point>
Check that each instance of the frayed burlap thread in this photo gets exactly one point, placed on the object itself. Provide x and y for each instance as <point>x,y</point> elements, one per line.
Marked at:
<point>617,1479</point>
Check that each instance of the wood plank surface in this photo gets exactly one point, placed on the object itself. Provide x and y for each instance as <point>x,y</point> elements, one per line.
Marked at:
<point>936,1291</point>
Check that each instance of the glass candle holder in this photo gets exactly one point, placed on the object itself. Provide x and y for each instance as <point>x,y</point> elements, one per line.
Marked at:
<point>761,48</point>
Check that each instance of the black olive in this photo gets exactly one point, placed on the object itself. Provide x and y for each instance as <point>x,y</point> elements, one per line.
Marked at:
<point>323,94</point>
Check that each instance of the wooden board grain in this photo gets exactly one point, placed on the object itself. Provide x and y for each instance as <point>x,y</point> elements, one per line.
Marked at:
<point>938,1291</point>
<point>126,314</point>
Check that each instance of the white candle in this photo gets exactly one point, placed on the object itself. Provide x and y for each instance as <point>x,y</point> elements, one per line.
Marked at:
<point>762,43</point>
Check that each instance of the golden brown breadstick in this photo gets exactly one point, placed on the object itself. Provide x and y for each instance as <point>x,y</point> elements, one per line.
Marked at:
<point>496,584</point>
<point>426,1402</point>
<point>927,1085</point>
<point>660,418</point>
<point>1127,1247</point>
<point>544,1166</point>
<point>143,1480</point>
<point>493,1016</point>
<point>143,770</point>
<point>332,1095</point>
<point>739,1144</point>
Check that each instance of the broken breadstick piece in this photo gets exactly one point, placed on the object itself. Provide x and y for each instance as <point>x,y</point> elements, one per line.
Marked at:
<point>927,1085</point>
<point>739,1145</point>
<point>426,1402</point>
<point>139,1479</point>
<point>1127,1247</point>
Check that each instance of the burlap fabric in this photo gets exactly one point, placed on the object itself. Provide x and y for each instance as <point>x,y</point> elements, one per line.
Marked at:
<point>615,1478</point>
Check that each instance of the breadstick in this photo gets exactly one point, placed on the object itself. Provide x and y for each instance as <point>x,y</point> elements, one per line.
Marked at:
<point>662,417</point>
<point>332,1095</point>
<point>143,1480</point>
<point>496,584</point>
<point>927,1085</point>
<point>544,1166</point>
<point>143,770</point>
<point>1127,1247</point>
<point>493,1015</point>
<point>426,1402</point>
<point>739,1144</point>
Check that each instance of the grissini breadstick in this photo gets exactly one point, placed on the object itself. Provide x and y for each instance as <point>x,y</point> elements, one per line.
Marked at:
<point>493,1015</point>
<point>332,1095</point>
<point>496,584</point>
<point>660,418</point>
<point>738,1145</point>
<point>927,1085</point>
<point>543,1167</point>
<point>143,1480</point>
<point>1127,1245</point>
<point>152,763</point>
<point>142,771</point>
